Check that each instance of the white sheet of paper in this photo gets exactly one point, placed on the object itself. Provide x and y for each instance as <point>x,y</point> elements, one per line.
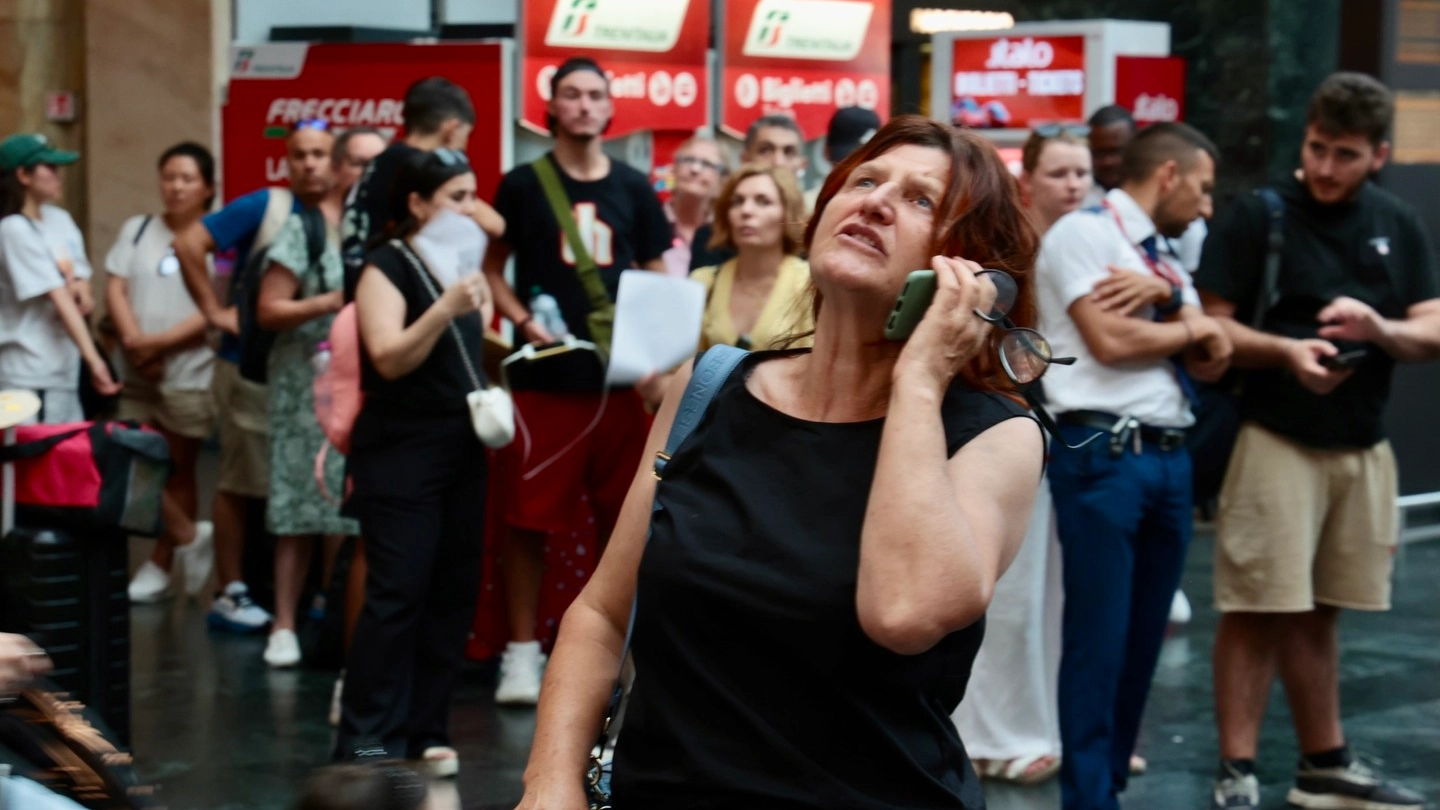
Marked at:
<point>657,325</point>
<point>452,245</point>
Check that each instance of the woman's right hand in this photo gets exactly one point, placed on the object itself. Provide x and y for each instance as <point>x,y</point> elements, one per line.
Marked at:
<point>464,296</point>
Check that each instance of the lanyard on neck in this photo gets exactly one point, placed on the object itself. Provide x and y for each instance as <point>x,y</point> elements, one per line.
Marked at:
<point>1156,266</point>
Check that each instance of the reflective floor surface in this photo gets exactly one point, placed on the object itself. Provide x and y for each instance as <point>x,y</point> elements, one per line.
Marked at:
<point>218,730</point>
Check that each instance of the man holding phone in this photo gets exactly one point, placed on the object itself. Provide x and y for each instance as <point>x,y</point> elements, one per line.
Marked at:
<point>1306,525</point>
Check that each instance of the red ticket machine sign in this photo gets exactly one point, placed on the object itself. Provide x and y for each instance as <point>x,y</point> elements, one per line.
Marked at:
<point>803,58</point>
<point>353,85</point>
<point>1015,82</point>
<point>653,51</point>
<point>1152,88</point>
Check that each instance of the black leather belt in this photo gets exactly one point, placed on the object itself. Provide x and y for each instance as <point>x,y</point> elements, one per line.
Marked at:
<point>1123,429</point>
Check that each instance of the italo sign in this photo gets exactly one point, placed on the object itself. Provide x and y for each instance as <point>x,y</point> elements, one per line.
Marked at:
<point>1014,82</point>
<point>803,58</point>
<point>1151,87</point>
<point>272,87</point>
<point>653,52</point>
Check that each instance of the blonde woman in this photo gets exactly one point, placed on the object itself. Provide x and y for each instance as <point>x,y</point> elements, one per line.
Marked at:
<point>751,300</point>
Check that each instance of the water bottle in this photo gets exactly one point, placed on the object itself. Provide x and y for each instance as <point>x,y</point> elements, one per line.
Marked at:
<point>546,312</point>
<point>320,360</point>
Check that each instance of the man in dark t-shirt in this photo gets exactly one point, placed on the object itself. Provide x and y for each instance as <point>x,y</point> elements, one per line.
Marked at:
<point>1307,514</point>
<point>438,113</point>
<point>584,443</point>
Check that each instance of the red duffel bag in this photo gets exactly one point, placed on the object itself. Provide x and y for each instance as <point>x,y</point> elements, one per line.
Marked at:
<point>89,476</point>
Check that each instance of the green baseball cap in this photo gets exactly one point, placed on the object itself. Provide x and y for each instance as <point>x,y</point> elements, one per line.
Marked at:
<point>32,149</point>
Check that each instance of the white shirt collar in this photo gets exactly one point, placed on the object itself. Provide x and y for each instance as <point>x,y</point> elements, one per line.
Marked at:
<point>1136,223</point>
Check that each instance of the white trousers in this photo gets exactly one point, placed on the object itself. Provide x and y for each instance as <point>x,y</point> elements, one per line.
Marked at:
<point>1009,709</point>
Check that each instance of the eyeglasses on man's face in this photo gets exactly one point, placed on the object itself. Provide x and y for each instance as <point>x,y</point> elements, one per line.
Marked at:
<point>693,161</point>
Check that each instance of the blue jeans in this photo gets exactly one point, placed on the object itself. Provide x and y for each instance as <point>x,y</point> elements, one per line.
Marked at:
<point>1124,523</point>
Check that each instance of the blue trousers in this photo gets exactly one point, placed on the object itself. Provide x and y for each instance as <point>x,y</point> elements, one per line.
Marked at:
<point>1124,523</point>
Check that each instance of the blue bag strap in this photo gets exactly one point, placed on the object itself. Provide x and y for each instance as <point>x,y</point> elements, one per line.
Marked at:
<point>1274,244</point>
<point>711,371</point>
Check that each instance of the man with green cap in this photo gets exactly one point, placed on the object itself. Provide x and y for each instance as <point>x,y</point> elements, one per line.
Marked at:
<point>44,283</point>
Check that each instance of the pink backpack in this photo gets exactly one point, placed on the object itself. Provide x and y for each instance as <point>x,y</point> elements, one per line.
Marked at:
<point>338,397</point>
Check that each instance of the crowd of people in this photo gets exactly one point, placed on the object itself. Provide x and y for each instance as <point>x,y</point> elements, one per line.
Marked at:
<point>817,576</point>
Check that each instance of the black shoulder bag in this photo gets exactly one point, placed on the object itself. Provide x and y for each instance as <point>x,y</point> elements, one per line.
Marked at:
<point>1217,409</point>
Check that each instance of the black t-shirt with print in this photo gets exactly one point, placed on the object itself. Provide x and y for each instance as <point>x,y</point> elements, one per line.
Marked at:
<point>619,216</point>
<point>439,385</point>
<point>367,209</point>
<point>1373,249</point>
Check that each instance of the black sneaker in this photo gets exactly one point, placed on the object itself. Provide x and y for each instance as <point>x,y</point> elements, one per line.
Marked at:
<point>1236,791</point>
<point>1353,787</point>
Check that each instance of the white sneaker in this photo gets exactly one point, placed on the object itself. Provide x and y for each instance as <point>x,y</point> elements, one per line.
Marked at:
<point>151,584</point>
<point>335,700</point>
<point>283,650</point>
<point>198,558</point>
<point>441,761</point>
<point>520,670</point>
<point>236,612</point>
<point>1180,609</point>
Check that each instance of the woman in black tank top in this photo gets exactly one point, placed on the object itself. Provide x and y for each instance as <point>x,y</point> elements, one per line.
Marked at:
<point>827,539</point>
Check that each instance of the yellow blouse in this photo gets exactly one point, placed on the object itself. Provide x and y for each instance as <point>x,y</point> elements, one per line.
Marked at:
<point>784,314</point>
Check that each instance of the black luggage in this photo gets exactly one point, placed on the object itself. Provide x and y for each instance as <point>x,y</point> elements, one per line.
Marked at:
<point>67,592</point>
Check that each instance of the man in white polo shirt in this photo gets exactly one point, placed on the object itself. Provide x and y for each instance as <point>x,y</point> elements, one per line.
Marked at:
<point>1123,500</point>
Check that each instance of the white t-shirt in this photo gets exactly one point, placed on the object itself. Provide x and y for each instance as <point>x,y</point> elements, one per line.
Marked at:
<point>35,350</point>
<point>1074,255</point>
<point>1187,247</point>
<point>158,297</point>
<point>64,239</point>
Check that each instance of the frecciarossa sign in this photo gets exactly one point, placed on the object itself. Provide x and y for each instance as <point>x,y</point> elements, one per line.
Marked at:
<point>276,85</point>
<point>803,58</point>
<point>653,51</point>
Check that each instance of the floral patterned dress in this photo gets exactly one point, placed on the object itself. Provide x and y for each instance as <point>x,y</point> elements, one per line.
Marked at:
<point>296,505</point>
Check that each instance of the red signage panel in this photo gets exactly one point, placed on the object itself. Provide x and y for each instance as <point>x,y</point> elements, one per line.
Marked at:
<point>1152,88</point>
<point>803,58</point>
<point>351,85</point>
<point>1014,83</point>
<point>653,50</point>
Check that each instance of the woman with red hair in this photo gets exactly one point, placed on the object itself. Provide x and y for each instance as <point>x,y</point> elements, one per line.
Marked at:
<point>825,543</point>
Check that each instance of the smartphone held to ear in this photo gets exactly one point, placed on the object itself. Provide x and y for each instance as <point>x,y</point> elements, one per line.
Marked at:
<point>915,298</point>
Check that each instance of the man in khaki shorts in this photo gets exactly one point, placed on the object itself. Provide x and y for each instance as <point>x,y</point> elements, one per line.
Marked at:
<point>1306,525</point>
<point>247,224</point>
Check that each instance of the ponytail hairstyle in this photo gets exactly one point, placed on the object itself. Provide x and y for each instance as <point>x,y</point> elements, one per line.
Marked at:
<point>421,174</point>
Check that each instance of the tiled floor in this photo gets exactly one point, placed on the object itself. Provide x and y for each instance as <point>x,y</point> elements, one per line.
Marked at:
<point>218,731</point>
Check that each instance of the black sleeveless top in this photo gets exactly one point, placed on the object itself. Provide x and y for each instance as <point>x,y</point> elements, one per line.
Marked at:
<point>755,685</point>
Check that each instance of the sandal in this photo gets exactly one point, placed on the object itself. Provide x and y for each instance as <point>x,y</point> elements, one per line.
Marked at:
<point>1031,770</point>
<point>441,761</point>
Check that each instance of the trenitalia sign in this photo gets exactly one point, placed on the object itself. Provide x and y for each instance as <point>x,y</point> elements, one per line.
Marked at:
<point>811,29</point>
<point>803,58</point>
<point>653,51</point>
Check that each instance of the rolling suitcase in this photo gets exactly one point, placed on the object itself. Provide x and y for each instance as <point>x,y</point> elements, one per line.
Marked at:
<point>67,592</point>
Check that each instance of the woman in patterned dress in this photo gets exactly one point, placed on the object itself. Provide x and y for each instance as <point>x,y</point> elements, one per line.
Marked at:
<point>298,300</point>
